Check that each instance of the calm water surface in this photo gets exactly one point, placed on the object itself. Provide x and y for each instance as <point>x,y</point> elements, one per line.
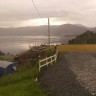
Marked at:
<point>18,44</point>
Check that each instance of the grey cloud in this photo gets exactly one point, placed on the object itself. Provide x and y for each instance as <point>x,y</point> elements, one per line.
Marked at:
<point>76,11</point>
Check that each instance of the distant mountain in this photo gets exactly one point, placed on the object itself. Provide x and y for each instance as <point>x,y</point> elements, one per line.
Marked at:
<point>62,30</point>
<point>94,29</point>
<point>70,29</point>
<point>66,31</point>
<point>23,31</point>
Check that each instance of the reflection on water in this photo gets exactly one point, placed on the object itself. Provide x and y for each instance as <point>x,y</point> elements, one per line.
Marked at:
<point>18,44</point>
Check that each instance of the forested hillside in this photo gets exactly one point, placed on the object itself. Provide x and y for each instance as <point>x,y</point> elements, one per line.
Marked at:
<point>89,37</point>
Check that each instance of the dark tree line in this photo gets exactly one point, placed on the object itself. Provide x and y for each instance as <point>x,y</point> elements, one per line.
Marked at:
<point>89,37</point>
<point>1,53</point>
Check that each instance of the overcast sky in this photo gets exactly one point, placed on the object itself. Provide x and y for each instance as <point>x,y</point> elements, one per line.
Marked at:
<point>16,13</point>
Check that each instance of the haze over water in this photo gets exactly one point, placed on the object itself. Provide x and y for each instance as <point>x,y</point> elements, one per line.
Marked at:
<point>18,44</point>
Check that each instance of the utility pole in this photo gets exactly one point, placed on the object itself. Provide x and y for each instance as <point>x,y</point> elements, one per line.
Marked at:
<point>48,32</point>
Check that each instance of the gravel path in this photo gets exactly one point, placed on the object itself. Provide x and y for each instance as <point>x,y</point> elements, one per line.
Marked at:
<point>59,80</point>
<point>83,64</point>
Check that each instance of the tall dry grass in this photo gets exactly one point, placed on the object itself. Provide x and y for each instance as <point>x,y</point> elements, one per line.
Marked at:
<point>77,48</point>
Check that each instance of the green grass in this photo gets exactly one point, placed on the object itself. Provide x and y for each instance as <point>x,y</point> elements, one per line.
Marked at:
<point>49,52</point>
<point>21,83</point>
<point>7,57</point>
<point>26,87</point>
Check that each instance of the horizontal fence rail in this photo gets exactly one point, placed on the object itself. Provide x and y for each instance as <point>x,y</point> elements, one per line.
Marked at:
<point>48,60</point>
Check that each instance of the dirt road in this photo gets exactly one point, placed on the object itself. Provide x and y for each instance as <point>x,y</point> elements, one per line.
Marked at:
<point>60,80</point>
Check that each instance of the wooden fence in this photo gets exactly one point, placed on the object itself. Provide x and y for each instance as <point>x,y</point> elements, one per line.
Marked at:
<point>48,60</point>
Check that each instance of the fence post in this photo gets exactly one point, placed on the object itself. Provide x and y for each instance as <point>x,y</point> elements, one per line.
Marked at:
<point>51,61</point>
<point>53,58</point>
<point>56,56</point>
<point>39,66</point>
<point>47,61</point>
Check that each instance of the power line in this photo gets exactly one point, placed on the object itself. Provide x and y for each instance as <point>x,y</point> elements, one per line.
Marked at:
<point>36,8</point>
<point>38,11</point>
<point>44,22</point>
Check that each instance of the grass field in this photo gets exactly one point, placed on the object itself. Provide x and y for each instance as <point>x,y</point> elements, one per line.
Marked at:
<point>7,57</point>
<point>21,83</point>
<point>77,48</point>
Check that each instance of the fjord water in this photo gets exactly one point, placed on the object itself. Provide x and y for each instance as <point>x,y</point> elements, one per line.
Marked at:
<point>18,44</point>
